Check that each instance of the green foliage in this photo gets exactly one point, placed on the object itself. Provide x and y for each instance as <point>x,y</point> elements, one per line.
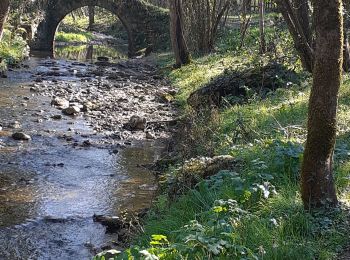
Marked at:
<point>256,212</point>
<point>13,49</point>
<point>82,37</point>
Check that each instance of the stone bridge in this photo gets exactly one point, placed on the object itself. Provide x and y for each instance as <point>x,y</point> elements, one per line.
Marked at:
<point>146,25</point>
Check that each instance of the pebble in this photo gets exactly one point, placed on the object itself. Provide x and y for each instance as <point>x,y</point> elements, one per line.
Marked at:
<point>60,102</point>
<point>124,99</point>
<point>70,111</point>
<point>15,125</point>
<point>137,123</point>
<point>150,135</point>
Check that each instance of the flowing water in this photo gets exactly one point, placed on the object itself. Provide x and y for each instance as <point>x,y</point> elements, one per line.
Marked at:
<point>49,190</point>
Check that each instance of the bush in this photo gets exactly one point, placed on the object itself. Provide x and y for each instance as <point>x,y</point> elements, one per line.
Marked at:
<point>13,49</point>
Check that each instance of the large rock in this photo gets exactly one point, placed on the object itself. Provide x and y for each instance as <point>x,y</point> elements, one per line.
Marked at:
<point>112,224</point>
<point>60,102</point>
<point>56,117</point>
<point>21,136</point>
<point>197,169</point>
<point>205,167</point>
<point>137,123</point>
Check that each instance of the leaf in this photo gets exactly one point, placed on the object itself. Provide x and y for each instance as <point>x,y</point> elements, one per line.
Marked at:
<point>159,238</point>
<point>215,248</point>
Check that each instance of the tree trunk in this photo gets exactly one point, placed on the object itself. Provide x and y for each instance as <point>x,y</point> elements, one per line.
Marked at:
<point>182,55</point>
<point>302,12</point>
<point>346,62</point>
<point>4,10</point>
<point>245,21</point>
<point>297,20</point>
<point>318,188</point>
<point>217,17</point>
<point>302,16</point>
<point>91,17</point>
<point>262,26</point>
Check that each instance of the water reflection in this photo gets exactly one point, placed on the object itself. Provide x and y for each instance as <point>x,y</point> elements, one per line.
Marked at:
<point>90,52</point>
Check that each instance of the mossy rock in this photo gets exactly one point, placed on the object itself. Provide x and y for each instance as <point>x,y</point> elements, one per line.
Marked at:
<point>197,169</point>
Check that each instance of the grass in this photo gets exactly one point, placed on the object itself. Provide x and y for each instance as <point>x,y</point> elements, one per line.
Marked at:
<point>81,37</point>
<point>229,216</point>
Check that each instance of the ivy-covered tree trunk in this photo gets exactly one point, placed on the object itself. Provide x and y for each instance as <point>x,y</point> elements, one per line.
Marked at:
<point>318,189</point>
<point>4,10</point>
<point>181,52</point>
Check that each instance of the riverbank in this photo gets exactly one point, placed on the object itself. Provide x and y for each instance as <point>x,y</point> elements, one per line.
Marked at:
<point>251,209</point>
<point>266,136</point>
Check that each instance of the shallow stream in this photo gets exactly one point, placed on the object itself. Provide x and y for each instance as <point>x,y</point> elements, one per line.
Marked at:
<point>49,190</point>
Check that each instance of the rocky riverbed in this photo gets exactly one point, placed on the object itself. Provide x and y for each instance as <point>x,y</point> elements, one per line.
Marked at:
<point>122,101</point>
<point>73,136</point>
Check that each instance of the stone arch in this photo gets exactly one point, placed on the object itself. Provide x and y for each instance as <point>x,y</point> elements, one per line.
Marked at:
<point>141,21</point>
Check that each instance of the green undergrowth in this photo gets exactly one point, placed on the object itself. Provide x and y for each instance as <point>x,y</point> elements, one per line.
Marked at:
<point>13,49</point>
<point>254,212</point>
<point>81,37</point>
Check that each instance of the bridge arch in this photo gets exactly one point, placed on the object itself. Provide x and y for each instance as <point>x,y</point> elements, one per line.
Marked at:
<point>143,22</point>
